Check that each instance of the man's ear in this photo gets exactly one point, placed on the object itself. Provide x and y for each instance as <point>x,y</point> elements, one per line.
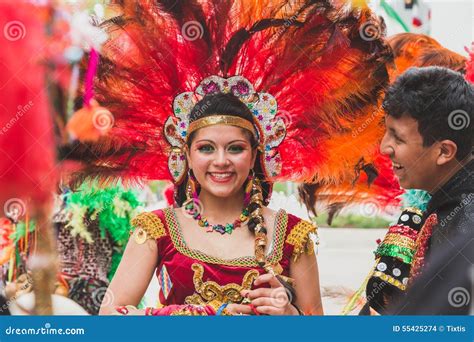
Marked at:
<point>447,152</point>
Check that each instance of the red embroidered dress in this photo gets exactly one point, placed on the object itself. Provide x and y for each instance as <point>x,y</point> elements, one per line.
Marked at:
<point>189,276</point>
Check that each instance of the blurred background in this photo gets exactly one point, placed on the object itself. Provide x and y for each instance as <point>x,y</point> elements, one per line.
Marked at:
<point>345,249</point>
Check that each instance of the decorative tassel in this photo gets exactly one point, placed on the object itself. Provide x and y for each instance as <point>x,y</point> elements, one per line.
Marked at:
<point>91,72</point>
<point>91,121</point>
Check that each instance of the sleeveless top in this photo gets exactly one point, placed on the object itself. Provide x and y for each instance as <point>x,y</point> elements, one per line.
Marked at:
<point>189,276</point>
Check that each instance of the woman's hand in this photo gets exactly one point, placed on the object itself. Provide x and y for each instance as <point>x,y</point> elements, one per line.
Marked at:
<point>270,301</point>
<point>239,309</point>
<point>128,310</point>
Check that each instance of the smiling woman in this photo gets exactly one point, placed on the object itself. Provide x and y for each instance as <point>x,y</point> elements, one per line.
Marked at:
<point>254,110</point>
<point>224,190</point>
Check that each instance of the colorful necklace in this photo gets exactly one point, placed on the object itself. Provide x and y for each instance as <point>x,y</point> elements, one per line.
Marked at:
<point>228,228</point>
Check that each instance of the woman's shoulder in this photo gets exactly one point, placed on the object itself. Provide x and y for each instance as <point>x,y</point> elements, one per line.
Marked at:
<point>150,224</point>
<point>300,235</point>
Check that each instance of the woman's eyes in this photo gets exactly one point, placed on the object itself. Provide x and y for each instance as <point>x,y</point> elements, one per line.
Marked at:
<point>235,149</point>
<point>206,148</point>
<point>231,149</point>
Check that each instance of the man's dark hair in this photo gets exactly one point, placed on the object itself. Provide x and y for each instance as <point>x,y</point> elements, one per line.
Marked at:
<point>442,102</point>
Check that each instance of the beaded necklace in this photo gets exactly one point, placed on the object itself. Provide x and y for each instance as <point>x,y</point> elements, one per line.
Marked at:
<point>228,228</point>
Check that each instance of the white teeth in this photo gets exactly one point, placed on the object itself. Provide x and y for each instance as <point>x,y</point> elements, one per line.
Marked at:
<point>397,166</point>
<point>221,175</point>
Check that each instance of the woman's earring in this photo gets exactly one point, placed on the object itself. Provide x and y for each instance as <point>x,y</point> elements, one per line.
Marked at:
<point>191,192</point>
<point>249,187</point>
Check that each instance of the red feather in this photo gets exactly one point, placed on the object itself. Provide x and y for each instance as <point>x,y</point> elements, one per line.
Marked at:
<point>310,55</point>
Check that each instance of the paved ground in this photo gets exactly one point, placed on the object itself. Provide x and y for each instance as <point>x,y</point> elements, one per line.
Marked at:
<point>345,257</point>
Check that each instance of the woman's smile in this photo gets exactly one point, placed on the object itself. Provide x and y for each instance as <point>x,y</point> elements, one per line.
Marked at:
<point>221,177</point>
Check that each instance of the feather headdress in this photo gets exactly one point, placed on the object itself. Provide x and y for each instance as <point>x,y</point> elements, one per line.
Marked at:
<point>383,190</point>
<point>324,62</point>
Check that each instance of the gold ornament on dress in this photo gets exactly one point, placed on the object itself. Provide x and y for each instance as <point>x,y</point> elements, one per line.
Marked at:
<point>299,237</point>
<point>148,226</point>
<point>211,293</point>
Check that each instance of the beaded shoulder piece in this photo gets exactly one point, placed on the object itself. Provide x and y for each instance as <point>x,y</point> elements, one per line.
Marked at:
<point>147,226</point>
<point>300,238</point>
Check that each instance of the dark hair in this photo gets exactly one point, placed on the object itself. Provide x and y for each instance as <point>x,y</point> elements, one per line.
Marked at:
<point>228,104</point>
<point>440,100</point>
<point>223,104</point>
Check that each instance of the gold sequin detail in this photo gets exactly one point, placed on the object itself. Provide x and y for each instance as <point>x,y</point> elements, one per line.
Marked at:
<point>390,280</point>
<point>299,237</point>
<point>211,293</point>
<point>148,226</point>
<point>414,210</point>
<point>399,240</point>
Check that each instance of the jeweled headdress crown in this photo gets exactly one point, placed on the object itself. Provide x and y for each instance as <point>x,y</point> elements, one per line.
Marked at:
<point>267,129</point>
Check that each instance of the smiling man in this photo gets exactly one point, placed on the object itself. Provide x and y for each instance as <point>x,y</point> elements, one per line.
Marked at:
<point>429,138</point>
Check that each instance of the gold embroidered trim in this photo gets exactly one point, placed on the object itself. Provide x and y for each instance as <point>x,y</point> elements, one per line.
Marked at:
<point>281,221</point>
<point>414,210</point>
<point>390,280</point>
<point>213,294</point>
<point>148,226</point>
<point>299,237</point>
<point>221,119</point>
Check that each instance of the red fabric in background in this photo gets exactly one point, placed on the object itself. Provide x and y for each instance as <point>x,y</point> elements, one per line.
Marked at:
<point>26,130</point>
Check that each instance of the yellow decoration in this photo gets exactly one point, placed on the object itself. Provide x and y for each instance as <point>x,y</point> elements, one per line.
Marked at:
<point>211,293</point>
<point>149,226</point>
<point>299,237</point>
<point>390,280</point>
<point>221,120</point>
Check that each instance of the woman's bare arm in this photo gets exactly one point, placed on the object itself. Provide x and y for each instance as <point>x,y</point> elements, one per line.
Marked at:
<point>132,277</point>
<point>305,273</point>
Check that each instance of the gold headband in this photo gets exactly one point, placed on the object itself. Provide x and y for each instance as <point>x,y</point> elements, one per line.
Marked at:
<point>221,120</point>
